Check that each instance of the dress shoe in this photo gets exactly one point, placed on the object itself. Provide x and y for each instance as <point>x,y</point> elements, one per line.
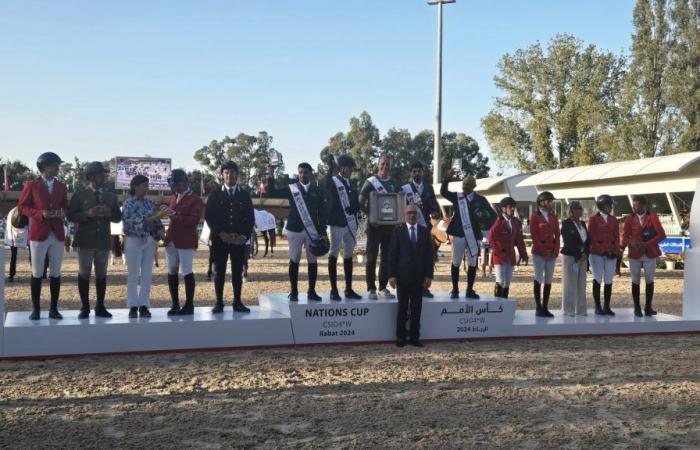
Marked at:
<point>218,308</point>
<point>472,295</point>
<point>335,296</point>
<point>416,343</point>
<point>352,295</point>
<point>401,343</point>
<point>454,295</point>
<point>312,295</point>
<point>428,294</point>
<point>240,307</point>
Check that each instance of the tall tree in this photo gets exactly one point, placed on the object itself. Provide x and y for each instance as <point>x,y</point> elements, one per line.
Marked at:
<point>362,142</point>
<point>17,173</point>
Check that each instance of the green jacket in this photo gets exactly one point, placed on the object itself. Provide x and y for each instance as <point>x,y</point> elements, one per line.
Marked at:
<point>92,232</point>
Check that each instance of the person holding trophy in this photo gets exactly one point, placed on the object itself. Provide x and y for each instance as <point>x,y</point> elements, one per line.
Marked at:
<point>343,207</point>
<point>93,210</point>
<point>45,201</point>
<point>378,234</point>
<point>306,226</point>
<point>423,196</point>
<point>472,214</point>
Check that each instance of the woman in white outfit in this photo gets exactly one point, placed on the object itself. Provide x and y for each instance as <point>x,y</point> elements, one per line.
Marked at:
<point>574,261</point>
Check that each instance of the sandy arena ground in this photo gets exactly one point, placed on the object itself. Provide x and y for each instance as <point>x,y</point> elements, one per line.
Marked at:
<point>610,392</point>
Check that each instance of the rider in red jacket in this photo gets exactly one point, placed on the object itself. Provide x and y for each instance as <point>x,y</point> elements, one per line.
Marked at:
<point>506,234</point>
<point>603,230</point>
<point>544,229</point>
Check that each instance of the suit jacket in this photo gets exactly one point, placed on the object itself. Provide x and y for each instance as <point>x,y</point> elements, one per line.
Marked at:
<point>605,236</point>
<point>503,241</point>
<point>230,214</point>
<point>429,203</point>
<point>336,213</point>
<point>481,215</point>
<point>182,230</point>
<point>34,199</point>
<point>573,245</point>
<point>545,234</point>
<point>410,264</point>
<point>93,232</point>
<point>632,234</point>
<point>315,202</point>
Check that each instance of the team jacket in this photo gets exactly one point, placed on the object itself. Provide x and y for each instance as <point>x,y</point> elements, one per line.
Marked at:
<point>230,214</point>
<point>336,215</point>
<point>34,199</point>
<point>503,241</point>
<point>632,234</point>
<point>545,234</point>
<point>429,203</point>
<point>315,202</point>
<point>481,214</point>
<point>182,231</point>
<point>605,237</point>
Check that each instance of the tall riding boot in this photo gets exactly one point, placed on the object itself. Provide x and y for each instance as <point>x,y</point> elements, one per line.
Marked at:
<point>471,277</point>
<point>313,274</point>
<point>454,275</point>
<point>504,291</point>
<point>497,290</point>
<point>36,298</point>
<point>174,286</point>
<point>347,268</point>
<point>537,292</point>
<point>607,295</point>
<point>84,292</point>
<point>635,300</point>
<point>333,276</point>
<point>188,308</point>
<point>649,293</point>
<point>219,280</point>
<point>596,298</point>
<point>293,280</point>
<point>545,300</point>
<point>55,288</point>
<point>101,289</point>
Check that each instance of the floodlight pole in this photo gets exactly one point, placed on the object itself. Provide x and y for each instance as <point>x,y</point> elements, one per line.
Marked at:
<point>438,94</point>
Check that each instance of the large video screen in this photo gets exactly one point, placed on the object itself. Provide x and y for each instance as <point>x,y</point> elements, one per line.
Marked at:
<point>156,169</point>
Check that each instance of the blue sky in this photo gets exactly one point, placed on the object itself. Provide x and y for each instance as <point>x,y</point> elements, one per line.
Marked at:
<point>95,79</point>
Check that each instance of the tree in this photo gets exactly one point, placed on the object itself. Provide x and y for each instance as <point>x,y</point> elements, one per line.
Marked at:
<point>557,107</point>
<point>361,142</point>
<point>17,173</point>
<point>72,174</point>
<point>463,147</point>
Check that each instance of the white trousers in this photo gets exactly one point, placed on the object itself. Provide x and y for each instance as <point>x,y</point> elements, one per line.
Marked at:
<point>573,279</point>
<point>603,268</point>
<point>54,248</point>
<point>504,274</point>
<point>544,268</point>
<point>342,236</point>
<point>179,258</point>
<point>636,265</point>
<point>297,240</point>
<point>140,252</point>
<point>459,248</point>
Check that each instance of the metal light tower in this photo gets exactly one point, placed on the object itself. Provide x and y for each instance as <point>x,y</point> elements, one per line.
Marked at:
<point>438,93</point>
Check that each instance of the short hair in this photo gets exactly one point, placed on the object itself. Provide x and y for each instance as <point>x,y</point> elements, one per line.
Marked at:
<point>639,198</point>
<point>137,181</point>
<point>386,156</point>
<point>416,165</point>
<point>305,165</point>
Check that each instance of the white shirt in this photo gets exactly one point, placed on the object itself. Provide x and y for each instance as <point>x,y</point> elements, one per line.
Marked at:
<point>226,188</point>
<point>49,184</point>
<point>419,187</point>
<point>470,197</point>
<point>604,216</point>
<point>510,224</point>
<point>545,214</point>
<point>581,230</point>
<point>641,218</point>
<point>305,186</point>
<point>181,196</point>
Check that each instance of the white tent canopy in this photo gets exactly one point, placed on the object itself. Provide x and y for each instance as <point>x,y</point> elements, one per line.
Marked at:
<point>495,188</point>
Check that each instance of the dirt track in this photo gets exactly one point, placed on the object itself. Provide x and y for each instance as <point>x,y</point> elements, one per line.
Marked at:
<point>622,392</point>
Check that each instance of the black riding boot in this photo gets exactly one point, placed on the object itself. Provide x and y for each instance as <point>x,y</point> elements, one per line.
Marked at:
<point>294,281</point>
<point>504,291</point>
<point>84,292</point>
<point>188,309</point>
<point>101,290</point>
<point>36,298</point>
<point>347,268</point>
<point>454,275</point>
<point>607,295</point>
<point>498,291</point>
<point>174,286</point>
<point>545,300</point>
<point>649,293</point>
<point>537,292</point>
<point>596,298</point>
<point>635,300</point>
<point>313,274</point>
<point>333,276</point>
<point>471,277</point>
<point>55,287</point>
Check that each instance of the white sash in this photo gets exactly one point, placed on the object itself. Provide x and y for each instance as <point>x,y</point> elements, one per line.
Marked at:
<point>345,204</point>
<point>413,199</point>
<point>467,224</point>
<point>378,186</point>
<point>303,211</point>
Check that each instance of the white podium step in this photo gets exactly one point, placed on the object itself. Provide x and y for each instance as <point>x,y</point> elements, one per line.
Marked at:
<point>203,330</point>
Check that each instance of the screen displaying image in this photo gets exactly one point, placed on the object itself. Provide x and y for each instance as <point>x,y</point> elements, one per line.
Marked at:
<point>156,169</point>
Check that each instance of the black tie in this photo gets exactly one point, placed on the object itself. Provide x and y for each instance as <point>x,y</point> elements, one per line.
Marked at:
<point>231,191</point>
<point>414,241</point>
<point>97,197</point>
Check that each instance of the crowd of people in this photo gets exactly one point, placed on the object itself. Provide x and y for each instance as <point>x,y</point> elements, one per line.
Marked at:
<point>405,253</point>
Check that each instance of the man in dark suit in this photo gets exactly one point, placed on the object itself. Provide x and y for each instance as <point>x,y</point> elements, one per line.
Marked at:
<point>230,217</point>
<point>410,272</point>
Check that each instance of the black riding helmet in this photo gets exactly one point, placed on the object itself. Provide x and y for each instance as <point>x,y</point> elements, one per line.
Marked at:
<point>544,195</point>
<point>604,200</point>
<point>93,168</point>
<point>506,201</point>
<point>46,159</point>
<point>346,161</point>
<point>177,176</point>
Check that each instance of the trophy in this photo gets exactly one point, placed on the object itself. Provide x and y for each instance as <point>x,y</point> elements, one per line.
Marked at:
<point>275,157</point>
<point>386,208</point>
<point>457,164</point>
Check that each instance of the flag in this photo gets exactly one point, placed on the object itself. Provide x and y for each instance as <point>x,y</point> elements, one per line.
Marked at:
<point>201,186</point>
<point>7,180</point>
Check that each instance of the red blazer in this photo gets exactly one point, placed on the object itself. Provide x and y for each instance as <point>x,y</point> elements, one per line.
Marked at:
<point>605,237</point>
<point>503,241</point>
<point>34,199</point>
<point>182,231</point>
<point>545,234</point>
<point>632,236</point>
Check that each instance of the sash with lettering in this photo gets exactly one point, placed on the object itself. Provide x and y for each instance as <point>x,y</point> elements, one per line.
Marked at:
<point>467,224</point>
<point>413,198</point>
<point>345,203</point>
<point>303,211</point>
<point>378,186</point>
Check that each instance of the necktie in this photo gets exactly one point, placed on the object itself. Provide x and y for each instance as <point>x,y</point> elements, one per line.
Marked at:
<point>413,235</point>
<point>97,197</point>
<point>231,191</point>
